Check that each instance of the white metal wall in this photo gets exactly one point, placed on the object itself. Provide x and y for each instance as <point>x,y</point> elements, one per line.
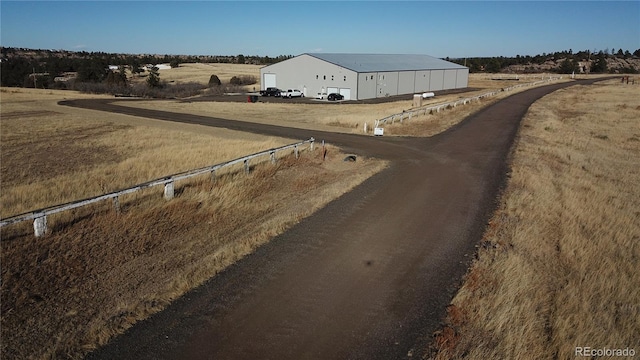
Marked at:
<point>367,85</point>
<point>315,75</point>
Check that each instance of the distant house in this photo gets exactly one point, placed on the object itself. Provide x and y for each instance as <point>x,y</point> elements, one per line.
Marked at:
<point>159,66</point>
<point>66,76</point>
<point>364,76</point>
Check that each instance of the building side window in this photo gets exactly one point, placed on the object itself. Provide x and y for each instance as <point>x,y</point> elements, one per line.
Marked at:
<point>324,77</point>
<point>345,78</point>
<point>331,77</point>
<point>316,77</point>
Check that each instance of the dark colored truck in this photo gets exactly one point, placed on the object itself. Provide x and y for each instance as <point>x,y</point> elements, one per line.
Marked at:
<point>270,91</point>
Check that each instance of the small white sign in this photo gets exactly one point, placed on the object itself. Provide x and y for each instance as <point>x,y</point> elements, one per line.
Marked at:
<point>378,131</point>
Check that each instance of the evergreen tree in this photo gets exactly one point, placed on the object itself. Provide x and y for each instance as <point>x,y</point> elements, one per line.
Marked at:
<point>134,65</point>
<point>568,66</point>
<point>214,80</point>
<point>493,66</point>
<point>92,70</point>
<point>154,77</point>
<point>600,63</point>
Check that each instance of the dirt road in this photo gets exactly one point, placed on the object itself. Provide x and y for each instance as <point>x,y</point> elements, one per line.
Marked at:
<point>368,276</point>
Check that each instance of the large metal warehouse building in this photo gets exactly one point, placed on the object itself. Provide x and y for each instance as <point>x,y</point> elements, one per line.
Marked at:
<point>364,76</point>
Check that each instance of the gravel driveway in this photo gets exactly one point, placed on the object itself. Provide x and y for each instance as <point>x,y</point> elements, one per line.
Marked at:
<point>367,277</point>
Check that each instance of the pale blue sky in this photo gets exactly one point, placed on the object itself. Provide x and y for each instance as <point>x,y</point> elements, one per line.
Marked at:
<point>441,29</point>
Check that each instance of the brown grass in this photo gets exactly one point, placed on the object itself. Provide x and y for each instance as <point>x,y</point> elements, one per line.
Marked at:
<point>58,154</point>
<point>201,72</point>
<point>346,117</point>
<point>558,267</point>
<point>98,271</point>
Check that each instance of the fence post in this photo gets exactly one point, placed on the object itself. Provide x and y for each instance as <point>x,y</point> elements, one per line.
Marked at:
<point>213,175</point>
<point>246,166</point>
<point>312,141</point>
<point>168,190</point>
<point>324,151</point>
<point>116,204</point>
<point>295,149</point>
<point>273,156</point>
<point>40,226</point>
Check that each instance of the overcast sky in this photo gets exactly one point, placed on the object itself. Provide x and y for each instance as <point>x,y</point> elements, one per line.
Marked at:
<point>441,29</point>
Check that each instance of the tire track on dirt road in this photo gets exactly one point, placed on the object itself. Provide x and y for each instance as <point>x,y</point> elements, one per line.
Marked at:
<point>366,277</point>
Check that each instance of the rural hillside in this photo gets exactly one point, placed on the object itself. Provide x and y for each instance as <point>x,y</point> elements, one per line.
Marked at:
<point>62,69</point>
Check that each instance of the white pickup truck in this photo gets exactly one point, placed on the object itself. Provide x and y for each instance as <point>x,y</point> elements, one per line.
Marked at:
<point>291,93</point>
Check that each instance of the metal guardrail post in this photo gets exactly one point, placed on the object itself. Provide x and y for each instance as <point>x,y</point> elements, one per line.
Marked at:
<point>40,226</point>
<point>272,154</point>
<point>168,190</point>
<point>116,204</point>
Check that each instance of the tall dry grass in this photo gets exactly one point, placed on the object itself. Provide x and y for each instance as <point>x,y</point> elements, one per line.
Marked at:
<point>53,155</point>
<point>558,267</point>
<point>201,72</point>
<point>99,271</point>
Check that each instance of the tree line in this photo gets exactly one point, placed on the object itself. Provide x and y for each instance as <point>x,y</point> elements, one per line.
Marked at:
<point>20,66</point>
<point>567,61</point>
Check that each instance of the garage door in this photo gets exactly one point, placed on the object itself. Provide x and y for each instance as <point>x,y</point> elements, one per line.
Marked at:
<point>332,90</point>
<point>269,80</point>
<point>346,93</point>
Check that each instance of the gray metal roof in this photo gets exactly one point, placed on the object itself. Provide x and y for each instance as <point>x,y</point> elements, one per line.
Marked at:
<point>385,62</point>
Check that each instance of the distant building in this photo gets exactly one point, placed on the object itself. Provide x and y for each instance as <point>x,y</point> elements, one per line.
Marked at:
<point>159,66</point>
<point>364,76</point>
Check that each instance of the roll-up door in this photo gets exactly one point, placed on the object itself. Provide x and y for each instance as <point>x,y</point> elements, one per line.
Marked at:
<point>346,93</point>
<point>269,81</point>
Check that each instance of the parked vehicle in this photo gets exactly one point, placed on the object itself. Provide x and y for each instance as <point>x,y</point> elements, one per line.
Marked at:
<point>321,96</point>
<point>335,97</point>
<point>271,91</point>
<point>291,93</point>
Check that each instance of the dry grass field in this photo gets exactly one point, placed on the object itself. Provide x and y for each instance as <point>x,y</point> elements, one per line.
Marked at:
<point>348,117</point>
<point>98,271</point>
<point>45,147</point>
<point>558,267</point>
<point>201,72</point>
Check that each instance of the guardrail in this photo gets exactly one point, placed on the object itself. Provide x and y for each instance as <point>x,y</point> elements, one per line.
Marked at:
<point>439,107</point>
<point>39,217</point>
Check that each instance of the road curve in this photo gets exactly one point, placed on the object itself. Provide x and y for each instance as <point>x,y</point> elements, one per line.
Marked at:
<point>368,276</point>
